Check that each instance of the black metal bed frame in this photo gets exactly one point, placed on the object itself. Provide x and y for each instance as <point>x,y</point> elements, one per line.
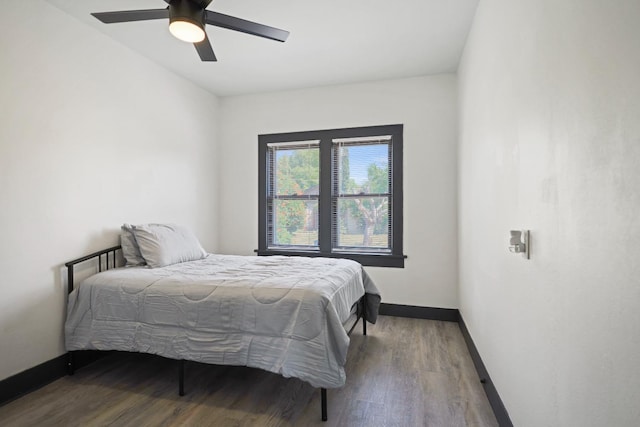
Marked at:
<point>103,264</point>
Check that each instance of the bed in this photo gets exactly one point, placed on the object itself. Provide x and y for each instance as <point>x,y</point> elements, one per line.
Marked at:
<point>287,315</point>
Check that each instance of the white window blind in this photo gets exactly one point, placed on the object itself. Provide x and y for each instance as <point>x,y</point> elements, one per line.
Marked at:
<point>361,194</point>
<point>292,194</point>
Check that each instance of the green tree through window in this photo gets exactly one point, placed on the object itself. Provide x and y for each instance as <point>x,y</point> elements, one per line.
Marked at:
<point>371,213</point>
<point>297,174</point>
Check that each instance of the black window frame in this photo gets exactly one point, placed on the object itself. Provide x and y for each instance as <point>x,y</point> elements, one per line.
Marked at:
<point>325,227</point>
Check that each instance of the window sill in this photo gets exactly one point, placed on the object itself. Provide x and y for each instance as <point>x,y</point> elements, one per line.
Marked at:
<point>368,260</point>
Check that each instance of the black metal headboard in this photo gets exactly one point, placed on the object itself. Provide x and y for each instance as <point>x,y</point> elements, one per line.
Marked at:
<point>102,265</point>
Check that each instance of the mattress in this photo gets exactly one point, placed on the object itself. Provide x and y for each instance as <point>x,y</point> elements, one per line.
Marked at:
<point>281,314</point>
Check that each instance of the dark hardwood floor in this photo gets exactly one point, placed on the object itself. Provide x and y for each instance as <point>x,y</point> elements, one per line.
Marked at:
<point>405,372</point>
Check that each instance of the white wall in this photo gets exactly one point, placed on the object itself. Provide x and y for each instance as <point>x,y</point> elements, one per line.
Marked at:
<point>550,141</point>
<point>428,109</point>
<point>91,136</point>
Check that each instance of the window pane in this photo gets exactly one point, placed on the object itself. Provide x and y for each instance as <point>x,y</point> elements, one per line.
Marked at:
<point>363,222</point>
<point>363,168</point>
<point>296,222</point>
<point>297,171</point>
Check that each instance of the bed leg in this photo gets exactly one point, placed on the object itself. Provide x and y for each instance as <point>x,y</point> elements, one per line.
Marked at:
<point>323,403</point>
<point>181,377</point>
<point>364,314</point>
<point>71,366</point>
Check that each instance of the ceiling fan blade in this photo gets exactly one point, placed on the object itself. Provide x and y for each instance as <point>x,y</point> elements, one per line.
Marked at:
<point>237,24</point>
<point>131,15</point>
<point>205,50</point>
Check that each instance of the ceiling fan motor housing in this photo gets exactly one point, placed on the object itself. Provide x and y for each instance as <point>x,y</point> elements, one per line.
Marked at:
<point>186,10</point>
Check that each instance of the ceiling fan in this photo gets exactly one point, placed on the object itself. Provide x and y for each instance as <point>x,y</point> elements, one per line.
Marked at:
<point>187,19</point>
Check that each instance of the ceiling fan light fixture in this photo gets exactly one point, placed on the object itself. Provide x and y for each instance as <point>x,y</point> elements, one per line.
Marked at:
<point>186,21</point>
<point>186,31</point>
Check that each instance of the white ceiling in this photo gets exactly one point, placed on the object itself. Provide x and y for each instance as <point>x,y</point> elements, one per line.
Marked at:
<point>331,41</point>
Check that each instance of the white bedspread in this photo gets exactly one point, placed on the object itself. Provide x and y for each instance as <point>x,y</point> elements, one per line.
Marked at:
<point>280,314</point>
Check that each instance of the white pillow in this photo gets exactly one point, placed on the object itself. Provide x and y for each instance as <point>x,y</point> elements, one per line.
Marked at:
<point>130,249</point>
<point>166,244</point>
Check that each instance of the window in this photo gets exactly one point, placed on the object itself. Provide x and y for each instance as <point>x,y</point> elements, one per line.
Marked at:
<point>332,193</point>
